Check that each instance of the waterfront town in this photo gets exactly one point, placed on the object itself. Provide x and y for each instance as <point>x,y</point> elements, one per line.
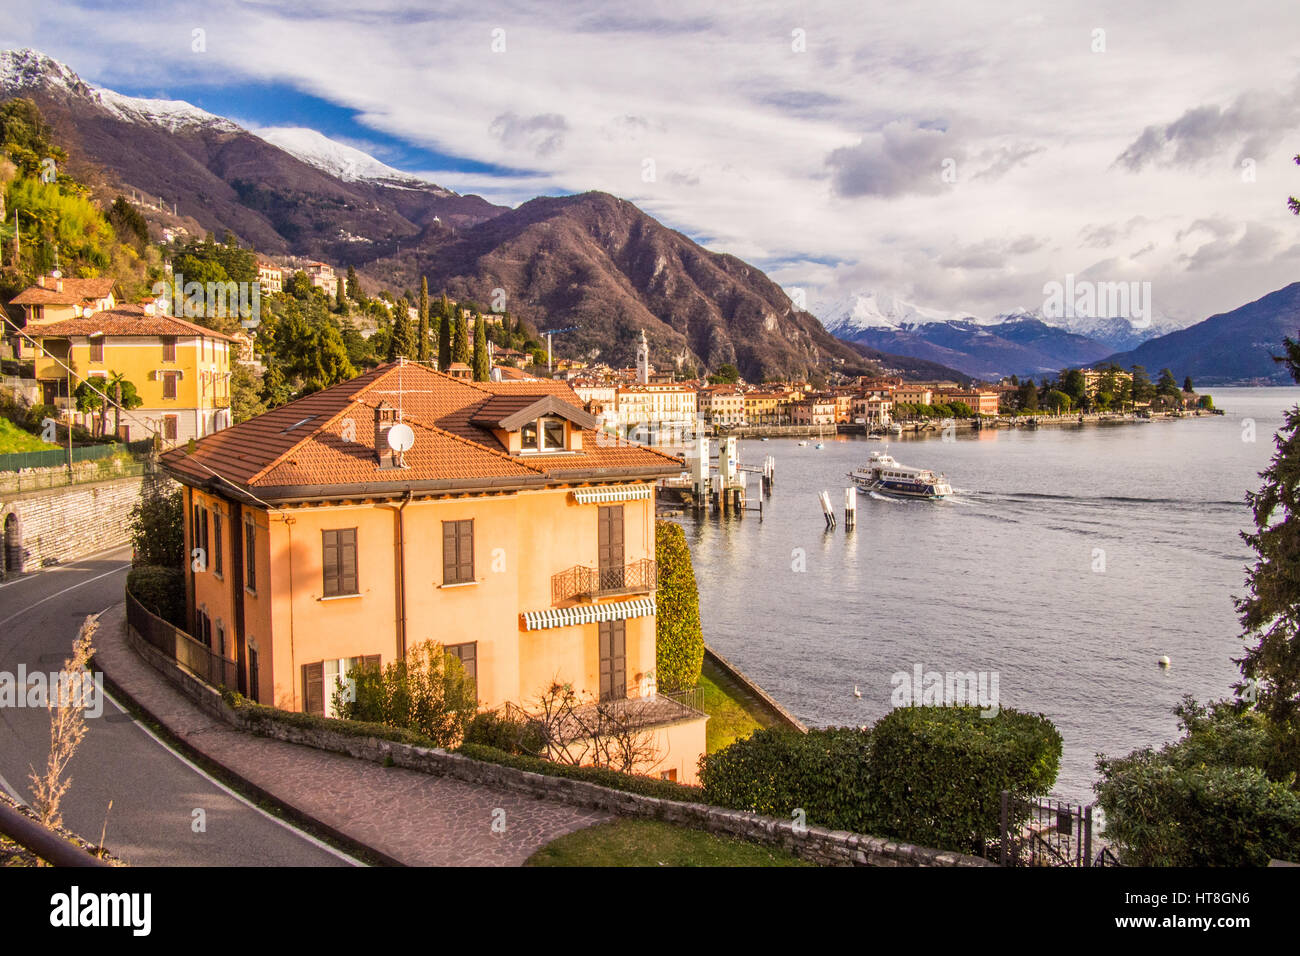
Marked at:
<point>390,526</point>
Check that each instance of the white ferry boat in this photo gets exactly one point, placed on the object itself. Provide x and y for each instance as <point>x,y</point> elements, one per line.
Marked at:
<point>886,476</point>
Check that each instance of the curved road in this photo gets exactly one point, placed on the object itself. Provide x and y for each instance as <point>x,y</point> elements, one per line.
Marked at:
<point>154,791</point>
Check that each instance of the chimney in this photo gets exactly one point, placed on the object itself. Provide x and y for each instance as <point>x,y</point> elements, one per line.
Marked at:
<point>386,416</point>
<point>40,280</point>
<point>58,285</point>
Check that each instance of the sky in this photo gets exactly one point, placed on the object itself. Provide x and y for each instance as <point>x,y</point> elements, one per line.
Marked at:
<point>958,155</point>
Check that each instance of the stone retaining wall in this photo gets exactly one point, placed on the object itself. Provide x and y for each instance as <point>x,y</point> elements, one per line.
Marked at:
<point>62,524</point>
<point>818,845</point>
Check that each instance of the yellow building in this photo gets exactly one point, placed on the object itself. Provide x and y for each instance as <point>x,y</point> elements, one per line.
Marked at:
<point>180,370</point>
<point>508,530</point>
<point>54,299</point>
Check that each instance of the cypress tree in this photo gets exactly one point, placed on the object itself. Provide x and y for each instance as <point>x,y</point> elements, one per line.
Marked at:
<point>401,344</point>
<point>460,340</point>
<point>482,366</point>
<point>422,332</point>
<point>444,342</point>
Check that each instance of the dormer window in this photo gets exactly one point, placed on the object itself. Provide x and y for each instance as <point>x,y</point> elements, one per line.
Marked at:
<point>544,434</point>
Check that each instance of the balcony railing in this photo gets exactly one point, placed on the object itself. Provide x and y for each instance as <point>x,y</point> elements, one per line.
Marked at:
<point>580,581</point>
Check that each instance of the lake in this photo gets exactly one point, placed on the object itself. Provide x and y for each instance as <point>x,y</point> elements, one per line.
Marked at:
<point>1068,561</point>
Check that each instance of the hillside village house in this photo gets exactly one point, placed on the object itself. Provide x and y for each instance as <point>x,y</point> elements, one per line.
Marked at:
<point>722,405</point>
<point>180,370</point>
<point>510,532</point>
<point>53,299</point>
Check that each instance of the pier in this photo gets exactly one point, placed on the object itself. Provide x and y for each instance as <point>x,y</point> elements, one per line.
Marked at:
<point>718,482</point>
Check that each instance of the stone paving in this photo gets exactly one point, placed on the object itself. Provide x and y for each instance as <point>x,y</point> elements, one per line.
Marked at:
<point>415,818</point>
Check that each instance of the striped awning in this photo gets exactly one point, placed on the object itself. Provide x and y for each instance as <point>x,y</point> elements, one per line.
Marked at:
<point>588,614</point>
<point>588,496</point>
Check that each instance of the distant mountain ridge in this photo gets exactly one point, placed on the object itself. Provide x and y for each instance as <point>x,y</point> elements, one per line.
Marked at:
<point>1019,342</point>
<point>1230,348</point>
<point>591,261</point>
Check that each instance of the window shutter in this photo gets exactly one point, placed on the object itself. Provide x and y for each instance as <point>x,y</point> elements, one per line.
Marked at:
<point>313,682</point>
<point>347,546</point>
<point>465,549</point>
<point>330,561</point>
<point>371,661</point>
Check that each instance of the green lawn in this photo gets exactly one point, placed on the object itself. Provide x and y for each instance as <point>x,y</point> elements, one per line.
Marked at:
<point>14,439</point>
<point>733,711</point>
<point>652,843</point>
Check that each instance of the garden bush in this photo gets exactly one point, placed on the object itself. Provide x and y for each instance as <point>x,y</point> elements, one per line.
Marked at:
<point>602,776</point>
<point>938,772</point>
<point>428,693</point>
<point>161,590</point>
<point>1224,794</point>
<point>679,637</point>
<point>492,729</point>
<point>825,773</point>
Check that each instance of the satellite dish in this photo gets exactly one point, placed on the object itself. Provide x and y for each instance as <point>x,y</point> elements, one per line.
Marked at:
<point>401,437</point>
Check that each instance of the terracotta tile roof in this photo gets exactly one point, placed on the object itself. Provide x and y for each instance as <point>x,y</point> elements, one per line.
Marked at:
<point>324,443</point>
<point>126,320</point>
<point>73,291</point>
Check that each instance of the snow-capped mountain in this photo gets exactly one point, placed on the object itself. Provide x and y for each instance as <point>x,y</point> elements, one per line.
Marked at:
<point>338,159</point>
<point>280,190</point>
<point>878,310</point>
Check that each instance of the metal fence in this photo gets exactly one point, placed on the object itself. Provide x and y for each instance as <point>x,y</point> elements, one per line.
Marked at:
<point>195,656</point>
<point>58,457</point>
<point>1042,831</point>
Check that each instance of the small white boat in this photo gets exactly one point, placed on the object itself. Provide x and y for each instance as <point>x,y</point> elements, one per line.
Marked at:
<point>896,428</point>
<point>803,444</point>
<point>819,446</point>
<point>883,475</point>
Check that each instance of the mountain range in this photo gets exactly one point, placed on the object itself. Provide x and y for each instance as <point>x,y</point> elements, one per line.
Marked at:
<point>1231,348</point>
<point>1019,342</point>
<point>590,261</point>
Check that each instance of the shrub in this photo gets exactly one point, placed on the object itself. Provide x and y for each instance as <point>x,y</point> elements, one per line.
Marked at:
<point>679,638</point>
<point>428,693</point>
<point>825,772</point>
<point>614,779</point>
<point>1164,815</point>
<point>491,729</point>
<point>1221,795</point>
<point>938,772</point>
<point>160,590</point>
<point>157,526</point>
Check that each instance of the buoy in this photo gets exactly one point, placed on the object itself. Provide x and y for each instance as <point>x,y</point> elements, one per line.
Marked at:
<point>856,692</point>
<point>1164,661</point>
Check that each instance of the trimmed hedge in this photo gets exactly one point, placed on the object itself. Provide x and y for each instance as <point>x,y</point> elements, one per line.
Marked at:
<point>260,715</point>
<point>940,771</point>
<point>679,636</point>
<point>629,782</point>
<point>161,590</point>
<point>491,729</point>
<point>826,773</point>
<point>928,775</point>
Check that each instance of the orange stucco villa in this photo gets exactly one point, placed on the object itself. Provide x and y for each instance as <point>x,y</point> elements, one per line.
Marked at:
<point>510,531</point>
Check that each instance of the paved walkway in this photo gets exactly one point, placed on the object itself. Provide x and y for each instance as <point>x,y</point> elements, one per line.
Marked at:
<point>415,818</point>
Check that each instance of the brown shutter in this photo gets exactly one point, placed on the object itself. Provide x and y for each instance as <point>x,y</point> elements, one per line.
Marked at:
<point>449,552</point>
<point>370,661</point>
<point>330,562</point>
<point>347,545</point>
<point>313,683</point>
<point>465,549</point>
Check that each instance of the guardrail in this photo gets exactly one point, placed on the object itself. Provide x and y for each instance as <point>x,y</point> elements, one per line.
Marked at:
<point>46,844</point>
<point>58,457</point>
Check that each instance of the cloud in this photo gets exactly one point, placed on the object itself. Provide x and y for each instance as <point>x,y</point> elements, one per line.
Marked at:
<point>991,253</point>
<point>904,157</point>
<point>540,135</point>
<point>1249,128</point>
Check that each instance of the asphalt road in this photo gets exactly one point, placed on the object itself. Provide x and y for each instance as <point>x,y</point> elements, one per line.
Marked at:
<point>154,791</point>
